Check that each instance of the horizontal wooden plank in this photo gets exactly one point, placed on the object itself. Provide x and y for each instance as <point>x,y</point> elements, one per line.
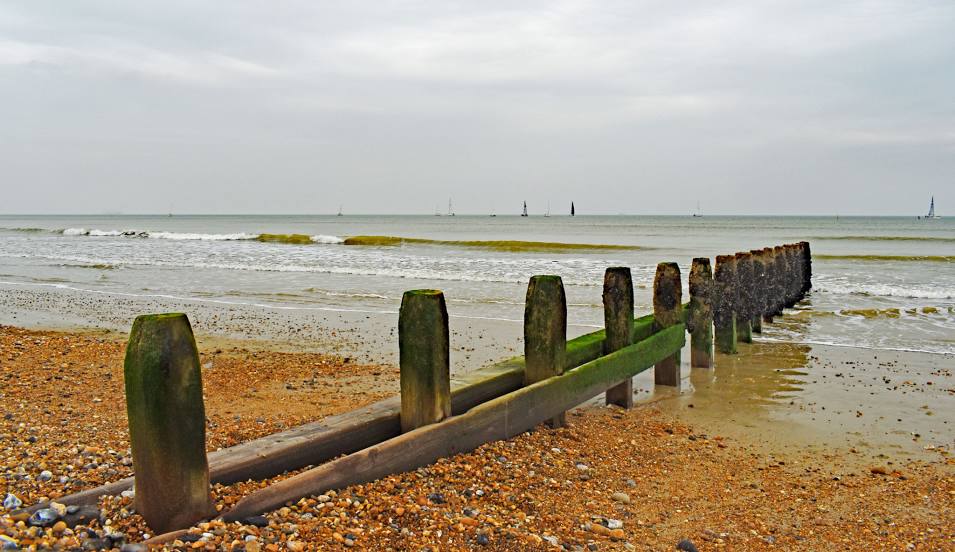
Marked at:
<point>315,442</point>
<point>499,418</point>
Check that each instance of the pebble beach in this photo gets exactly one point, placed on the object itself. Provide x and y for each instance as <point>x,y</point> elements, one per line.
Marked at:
<point>643,479</point>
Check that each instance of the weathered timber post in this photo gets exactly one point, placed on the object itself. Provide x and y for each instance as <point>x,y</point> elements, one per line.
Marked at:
<point>618,324</point>
<point>769,284</point>
<point>667,307</point>
<point>758,291</point>
<point>425,361</point>
<point>806,267</point>
<point>779,285</point>
<point>545,332</point>
<point>744,297</point>
<point>724,318</point>
<point>167,422</point>
<point>792,279</point>
<point>699,319</point>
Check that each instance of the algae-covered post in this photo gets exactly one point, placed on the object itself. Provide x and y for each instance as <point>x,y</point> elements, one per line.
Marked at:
<point>769,285</point>
<point>724,316</point>
<point>618,324</point>
<point>744,297</point>
<point>806,267</point>
<point>790,282</point>
<point>758,291</point>
<point>667,311</point>
<point>545,332</point>
<point>699,320</point>
<point>424,351</point>
<point>167,422</point>
<point>780,272</point>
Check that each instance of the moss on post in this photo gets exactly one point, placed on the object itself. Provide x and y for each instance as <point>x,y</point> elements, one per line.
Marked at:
<point>744,297</point>
<point>699,319</point>
<point>667,311</point>
<point>167,422</point>
<point>618,324</point>
<point>724,316</point>
<point>424,351</point>
<point>545,332</point>
<point>758,290</point>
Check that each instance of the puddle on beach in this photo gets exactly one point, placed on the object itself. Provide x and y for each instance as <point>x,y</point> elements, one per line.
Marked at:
<point>869,404</point>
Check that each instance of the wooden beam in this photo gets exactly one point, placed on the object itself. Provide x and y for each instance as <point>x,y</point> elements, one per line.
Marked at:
<point>724,315</point>
<point>425,358</point>
<point>500,418</point>
<point>758,291</point>
<point>744,297</point>
<point>318,441</point>
<point>618,316</point>
<point>667,311</point>
<point>545,332</point>
<point>167,422</point>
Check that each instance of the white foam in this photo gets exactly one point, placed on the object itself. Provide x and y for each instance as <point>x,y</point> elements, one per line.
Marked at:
<point>884,290</point>
<point>183,236</point>
<point>321,238</point>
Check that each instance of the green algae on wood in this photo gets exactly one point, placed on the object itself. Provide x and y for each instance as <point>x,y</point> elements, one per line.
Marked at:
<point>781,274</point>
<point>545,332</point>
<point>618,324</point>
<point>724,316</point>
<point>425,362</point>
<point>167,422</point>
<point>744,297</point>
<point>299,239</point>
<point>500,418</point>
<point>699,320</point>
<point>667,311</point>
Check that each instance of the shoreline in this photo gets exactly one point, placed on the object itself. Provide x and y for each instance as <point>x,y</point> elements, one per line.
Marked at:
<point>662,445</point>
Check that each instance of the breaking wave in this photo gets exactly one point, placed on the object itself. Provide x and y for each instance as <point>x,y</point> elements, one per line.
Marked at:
<point>890,258</point>
<point>886,238</point>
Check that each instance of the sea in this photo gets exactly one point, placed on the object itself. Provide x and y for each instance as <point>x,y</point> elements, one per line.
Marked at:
<point>878,282</point>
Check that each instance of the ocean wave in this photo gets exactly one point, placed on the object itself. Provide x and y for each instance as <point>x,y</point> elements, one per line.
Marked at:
<point>885,238</point>
<point>890,258</point>
<point>885,290</point>
<point>196,236</point>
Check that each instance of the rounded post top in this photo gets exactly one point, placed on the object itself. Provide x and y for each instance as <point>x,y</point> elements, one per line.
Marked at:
<point>722,259</point>
<point>743,255</point>
<point>418,292</point>
<point>701,261</point>
<point>160,317</point>
<point>546,278</point>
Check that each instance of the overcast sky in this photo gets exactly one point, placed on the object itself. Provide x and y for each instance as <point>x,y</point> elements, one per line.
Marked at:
<point>776,107</point>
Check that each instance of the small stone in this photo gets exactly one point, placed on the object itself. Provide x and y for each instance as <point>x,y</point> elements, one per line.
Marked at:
<point>295,546</point>
<point>436,498</point>
<point>686,545</point>
<point>482,540</point>
<point>614,524</point>
<point>43,517</point>
<point>621,497</point>
<point>11,502</point>
<point>879,470</point>
<point>133,547</point>
<point>45,475</point>
<point>59,526</point>
<point>256,521</point>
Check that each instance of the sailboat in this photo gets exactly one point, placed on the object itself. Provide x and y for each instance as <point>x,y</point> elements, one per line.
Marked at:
<point>547,213</point>
<point>699,212</point>
<point>571,208</point>
<point>524,213</point>
<point>340,211</point>
<point>450,211</point>
<point>931,210</point>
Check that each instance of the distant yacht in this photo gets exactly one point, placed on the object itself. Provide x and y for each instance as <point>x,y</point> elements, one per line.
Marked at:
<point>450,211</point>
<point>571,208</point>
<point>547,213</point>
<point>524,213</point>
<point>699,212</point>
<point>340,211</point>
<point>931,211</point>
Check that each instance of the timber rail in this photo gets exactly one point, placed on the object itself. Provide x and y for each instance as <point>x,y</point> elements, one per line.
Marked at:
<point>436,415</point>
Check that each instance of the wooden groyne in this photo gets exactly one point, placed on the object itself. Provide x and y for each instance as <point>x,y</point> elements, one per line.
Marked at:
<point>436,414</point>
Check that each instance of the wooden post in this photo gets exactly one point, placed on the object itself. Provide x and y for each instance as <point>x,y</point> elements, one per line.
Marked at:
<point>758,291</point>
<point>425,361</point>
<point>167,422</point>
<point>779,285</point>
<point>769,266</point>
<point>806,267</point>
<point>618,324</point>
<point>545,332</point>
<point>667,311</point>
<point>724,318</point>
<point>744,297</point>
<point>699,320</point>
<point>794,283</point>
